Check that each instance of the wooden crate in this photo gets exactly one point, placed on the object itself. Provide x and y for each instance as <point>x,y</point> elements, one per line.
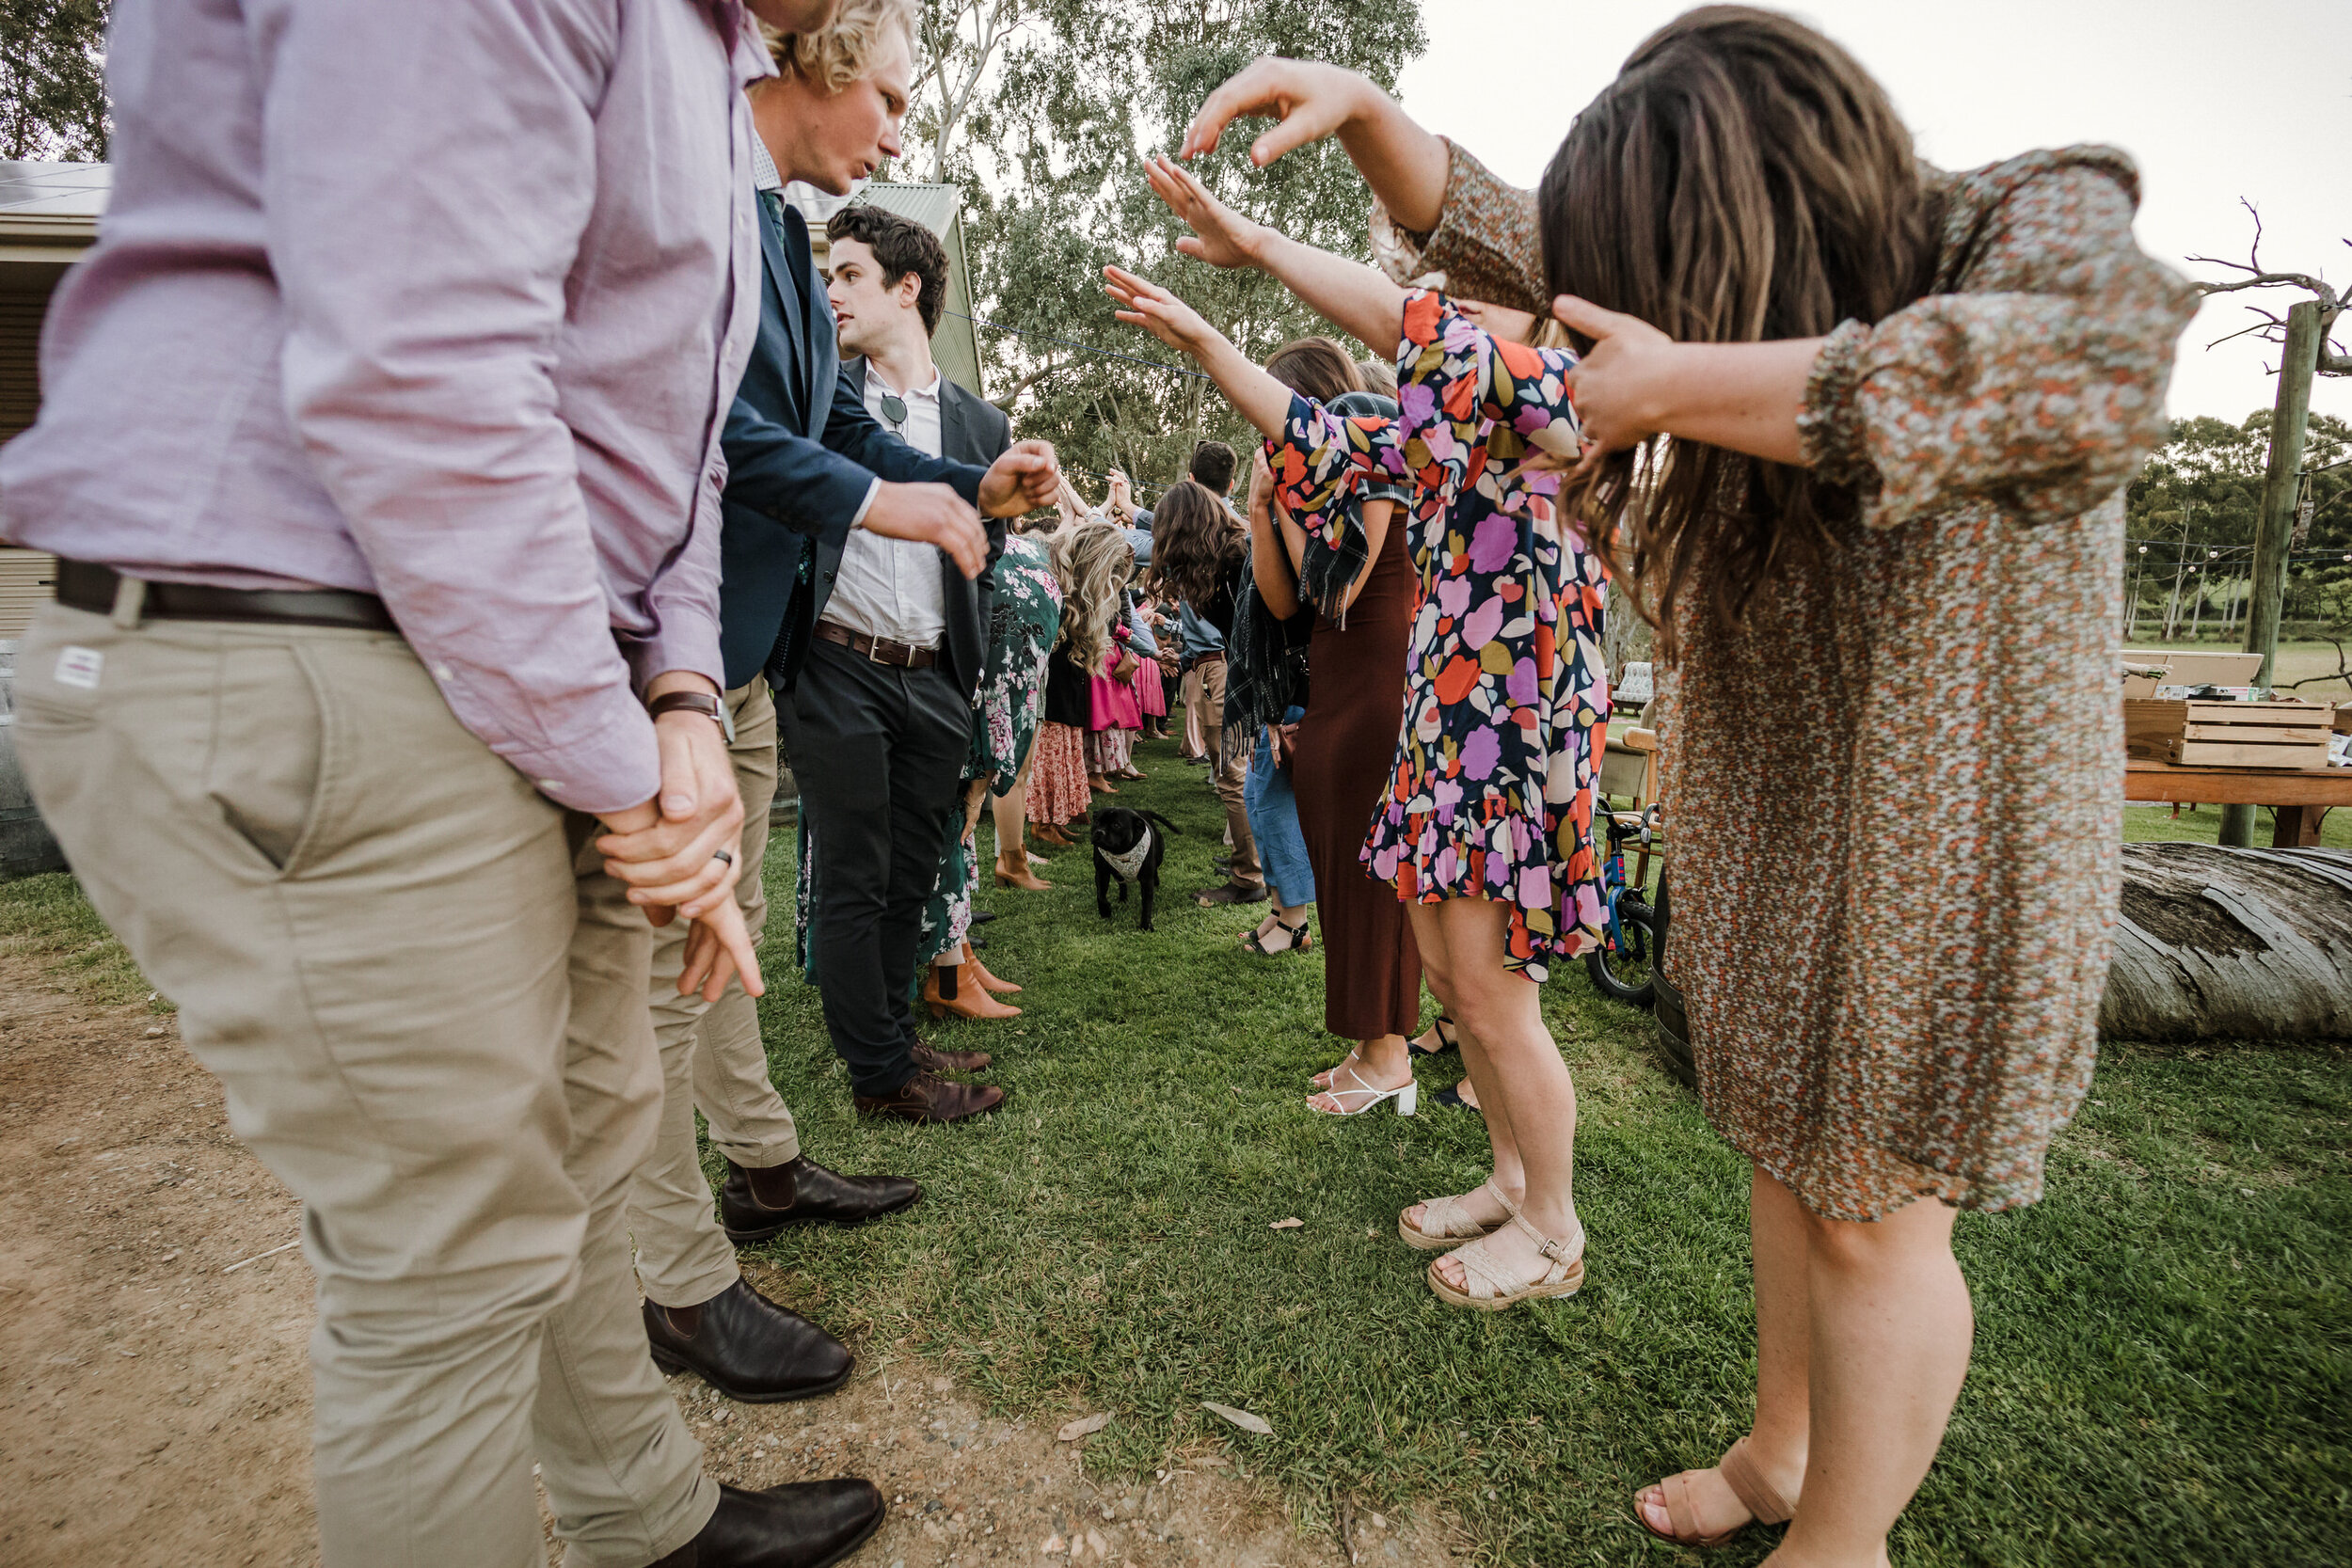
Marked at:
<point>2286,733</point>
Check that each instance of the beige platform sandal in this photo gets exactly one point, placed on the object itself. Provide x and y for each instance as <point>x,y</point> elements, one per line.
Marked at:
<point>1491,1289</point>
<point>1764,1504</point>
<point>1451,1217</point>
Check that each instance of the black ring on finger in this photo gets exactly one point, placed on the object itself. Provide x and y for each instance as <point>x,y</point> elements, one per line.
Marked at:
<point>724,857</point>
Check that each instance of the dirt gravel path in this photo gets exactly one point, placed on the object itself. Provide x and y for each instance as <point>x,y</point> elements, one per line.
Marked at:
<point>155,1393</point>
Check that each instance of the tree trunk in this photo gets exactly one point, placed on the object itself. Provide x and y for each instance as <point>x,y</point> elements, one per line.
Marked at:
<point>2231,943</point>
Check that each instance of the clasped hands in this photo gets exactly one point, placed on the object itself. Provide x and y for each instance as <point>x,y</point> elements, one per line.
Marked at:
<point>667,850</point>
<point>1023,479</point>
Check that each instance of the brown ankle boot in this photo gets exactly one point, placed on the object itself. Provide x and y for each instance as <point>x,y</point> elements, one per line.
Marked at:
<point>990,982</point>
<point>963,996</point>
<point>1013,871</point>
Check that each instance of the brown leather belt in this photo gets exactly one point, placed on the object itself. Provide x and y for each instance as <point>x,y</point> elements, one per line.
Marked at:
<point>881,650</point>
<point>88,586</point>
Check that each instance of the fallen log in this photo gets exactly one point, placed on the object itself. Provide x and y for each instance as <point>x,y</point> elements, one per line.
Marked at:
<point>2233,944</point>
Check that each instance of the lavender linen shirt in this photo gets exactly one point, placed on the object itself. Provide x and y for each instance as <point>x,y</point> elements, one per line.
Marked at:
<point>444,300</point>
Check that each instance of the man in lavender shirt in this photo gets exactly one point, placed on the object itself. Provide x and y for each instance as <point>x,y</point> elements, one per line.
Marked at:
<point>381,451</point>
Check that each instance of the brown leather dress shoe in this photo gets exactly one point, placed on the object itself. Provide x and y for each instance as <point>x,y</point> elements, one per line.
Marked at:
<point>929,1097</point>
<point>758,1205</point>
<point>747,1347</point>
<point>807,1524</point>
<point>929,1058</point>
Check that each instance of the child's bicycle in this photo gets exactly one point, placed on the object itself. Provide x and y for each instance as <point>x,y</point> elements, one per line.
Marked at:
<point>1620,967</point>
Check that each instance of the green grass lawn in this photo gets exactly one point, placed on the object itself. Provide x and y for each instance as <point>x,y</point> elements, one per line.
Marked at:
<point>2161,1371</point>
<point>2162,1352</point>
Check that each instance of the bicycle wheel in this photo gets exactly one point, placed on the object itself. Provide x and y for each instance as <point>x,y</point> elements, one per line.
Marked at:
<point>1623,972</point>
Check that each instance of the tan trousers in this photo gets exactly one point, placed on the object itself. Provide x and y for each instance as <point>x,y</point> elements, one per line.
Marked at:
<point>1230,780</point>
<point>712,1060</point>
<point>1188,697</point>
<point>426,1003</point>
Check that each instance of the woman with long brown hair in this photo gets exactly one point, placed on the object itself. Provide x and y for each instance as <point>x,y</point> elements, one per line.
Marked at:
<point>1200,551</point>
<point>1359,588</point>
<point>1485,828</point>
<point>1902,406</point>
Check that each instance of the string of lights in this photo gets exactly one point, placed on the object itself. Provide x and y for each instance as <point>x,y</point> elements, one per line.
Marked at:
<point>1073,342</point>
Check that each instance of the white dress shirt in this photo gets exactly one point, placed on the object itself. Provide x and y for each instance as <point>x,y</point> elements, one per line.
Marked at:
<point>891,587</point>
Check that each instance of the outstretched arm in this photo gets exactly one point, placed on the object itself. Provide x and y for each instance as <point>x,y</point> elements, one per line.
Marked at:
<point>1404,166</point>
<point>1366,304</point>
<point>1259,399</point>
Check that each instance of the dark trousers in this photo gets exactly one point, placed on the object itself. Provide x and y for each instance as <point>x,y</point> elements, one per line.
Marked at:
<point>877,752</point>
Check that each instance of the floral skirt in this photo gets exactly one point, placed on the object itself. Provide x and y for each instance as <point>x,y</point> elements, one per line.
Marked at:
<point>1111,751</point>
<point>1057,774</point>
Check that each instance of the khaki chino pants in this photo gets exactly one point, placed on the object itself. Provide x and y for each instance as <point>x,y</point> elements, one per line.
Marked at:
<point>426,1003</point>
<point>712,1060</point>
<point>1231,780</point>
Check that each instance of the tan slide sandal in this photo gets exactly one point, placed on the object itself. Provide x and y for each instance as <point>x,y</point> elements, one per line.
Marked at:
<point>1492,1289</point>
<point>1764,1504</point>
<point>1451,1219</point>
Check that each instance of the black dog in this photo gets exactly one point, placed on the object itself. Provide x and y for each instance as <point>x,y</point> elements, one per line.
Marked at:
<point>1126,848</point>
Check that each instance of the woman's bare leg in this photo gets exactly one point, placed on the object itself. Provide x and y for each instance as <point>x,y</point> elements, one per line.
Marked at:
<point>1010,812</point>
<point>1891,1327</point>
<point>1523,1086</point>
<point>1445,956</point>
<point>1779,1239</point>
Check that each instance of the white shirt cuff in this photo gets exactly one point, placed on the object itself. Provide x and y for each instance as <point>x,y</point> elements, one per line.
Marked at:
<point>867,505</point>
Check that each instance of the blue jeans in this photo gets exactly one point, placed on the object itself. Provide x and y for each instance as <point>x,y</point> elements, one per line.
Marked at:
<point>1274,822</point>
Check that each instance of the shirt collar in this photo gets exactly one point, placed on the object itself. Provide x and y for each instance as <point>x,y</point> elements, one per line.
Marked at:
<point>932,391</point>
<point>764,175</point>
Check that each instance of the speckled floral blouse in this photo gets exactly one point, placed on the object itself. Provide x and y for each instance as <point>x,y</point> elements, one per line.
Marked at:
<point>1893,796</point>
<point>1506,701</point>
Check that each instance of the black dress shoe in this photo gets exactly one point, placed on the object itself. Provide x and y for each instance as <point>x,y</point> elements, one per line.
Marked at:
<point>981,917</point>
<point>809,1524</point>
<point>748,1347</point>
<point>756,1205</point>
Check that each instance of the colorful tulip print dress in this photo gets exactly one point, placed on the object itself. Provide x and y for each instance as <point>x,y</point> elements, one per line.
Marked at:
<point>1506,697</point>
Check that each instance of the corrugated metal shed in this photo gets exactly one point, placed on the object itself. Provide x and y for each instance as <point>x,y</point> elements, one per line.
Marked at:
<point>49,215</point>
<point>956,345</point>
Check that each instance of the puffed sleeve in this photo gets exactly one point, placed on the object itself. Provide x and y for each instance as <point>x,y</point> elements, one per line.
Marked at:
<point>1487,242</point>
<point>2034,377</point>
<point>1320,459</point>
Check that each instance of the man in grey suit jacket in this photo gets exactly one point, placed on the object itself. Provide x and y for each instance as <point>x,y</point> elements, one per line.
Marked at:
<point>878,749</point>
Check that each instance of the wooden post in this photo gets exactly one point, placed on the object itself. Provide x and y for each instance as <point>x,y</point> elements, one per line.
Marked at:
<point>2299,357</point>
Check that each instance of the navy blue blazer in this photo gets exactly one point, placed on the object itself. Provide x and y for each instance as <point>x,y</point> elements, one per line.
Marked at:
<point>801,452</point>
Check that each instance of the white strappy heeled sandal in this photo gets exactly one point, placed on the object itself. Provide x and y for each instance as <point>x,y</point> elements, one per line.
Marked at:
<point>1493,1288</point>
<point>1407,1095</point>
<point>1447,1222</point>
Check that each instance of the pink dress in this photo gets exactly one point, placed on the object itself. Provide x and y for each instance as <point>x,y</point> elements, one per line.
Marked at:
<point>1117,706</point>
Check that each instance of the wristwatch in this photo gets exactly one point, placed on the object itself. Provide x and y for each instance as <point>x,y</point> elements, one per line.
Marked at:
<point>702,703</point>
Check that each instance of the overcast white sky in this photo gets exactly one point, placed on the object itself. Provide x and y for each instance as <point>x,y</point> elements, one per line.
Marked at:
<point>2250,97</point>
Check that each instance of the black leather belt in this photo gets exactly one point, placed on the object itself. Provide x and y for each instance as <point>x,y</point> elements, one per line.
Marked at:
<point>87,586</point>
<point>881,650</point>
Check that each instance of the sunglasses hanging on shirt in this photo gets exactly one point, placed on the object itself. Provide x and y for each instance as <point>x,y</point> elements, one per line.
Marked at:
<point>894,408</point>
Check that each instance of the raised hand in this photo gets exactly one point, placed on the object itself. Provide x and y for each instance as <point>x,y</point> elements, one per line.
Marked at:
<point>1310,100</point>
<point>1025,478</point>
<point>1636,382</point>
<point>1219,236</point>
<point>1145,304</point>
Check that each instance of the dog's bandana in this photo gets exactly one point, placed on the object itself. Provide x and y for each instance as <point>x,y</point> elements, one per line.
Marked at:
<point>1131,863</point>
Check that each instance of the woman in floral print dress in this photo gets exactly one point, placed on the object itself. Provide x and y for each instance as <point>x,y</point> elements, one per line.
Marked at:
<point>1881,548</point>
<point>1482,833</point>
<point>1506,701</point>
<point>1005,713</point>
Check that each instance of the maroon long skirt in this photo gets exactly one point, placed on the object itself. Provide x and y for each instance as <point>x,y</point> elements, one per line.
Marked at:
<point>1346,752</point>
